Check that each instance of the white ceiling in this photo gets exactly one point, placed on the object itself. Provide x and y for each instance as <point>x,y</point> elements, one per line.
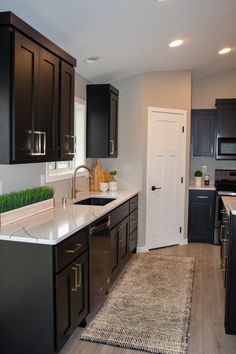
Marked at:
<point>132,36</point>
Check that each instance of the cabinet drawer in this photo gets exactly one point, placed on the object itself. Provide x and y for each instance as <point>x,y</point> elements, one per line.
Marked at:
<point>133,203</point>
<point>119,214</point>
<point>133,240</point>
<point>71,248</point>
<point>202,196</point>
<point>133,220</point>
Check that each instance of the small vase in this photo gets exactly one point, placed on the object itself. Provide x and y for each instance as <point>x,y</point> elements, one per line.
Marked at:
<point>198,181</point>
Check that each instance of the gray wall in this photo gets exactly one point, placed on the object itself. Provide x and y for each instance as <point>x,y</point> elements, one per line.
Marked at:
<point>18,177</point>
<point>162,89</point>
<point>204,92</point>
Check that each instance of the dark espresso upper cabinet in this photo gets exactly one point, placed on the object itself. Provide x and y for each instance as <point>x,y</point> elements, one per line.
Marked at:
<point>203,122</point>
<point>102,121</point>
<point>67,137</point>
<point>34,98</point>
<point>226,129</point>
<point>226,117</point>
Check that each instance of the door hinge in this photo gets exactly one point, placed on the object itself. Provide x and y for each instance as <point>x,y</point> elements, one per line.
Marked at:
<point>180,229</point>
<point>182,129</point>
<point>182,179</point>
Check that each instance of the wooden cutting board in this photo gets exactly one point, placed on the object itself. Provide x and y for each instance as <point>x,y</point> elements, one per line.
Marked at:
<point>98,175</point>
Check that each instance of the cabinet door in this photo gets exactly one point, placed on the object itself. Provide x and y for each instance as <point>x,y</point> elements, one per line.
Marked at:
<point>114,251</point>
<point>123,235</point>
<point>65,286</point>
<point>47,113</point>
<point>71,298</point>
<point>226,117</point>
<point>80,297</point>
<point>203,122</point>
<point>25,92</point>
<point>67,137</point>
<point>201,216</point>
<point>113,126</point>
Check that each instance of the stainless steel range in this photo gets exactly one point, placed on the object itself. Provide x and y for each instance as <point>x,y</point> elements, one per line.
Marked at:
<point>225,183</point>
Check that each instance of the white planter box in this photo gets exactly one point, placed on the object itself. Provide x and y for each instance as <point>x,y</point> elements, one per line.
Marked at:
<point>26,211</point>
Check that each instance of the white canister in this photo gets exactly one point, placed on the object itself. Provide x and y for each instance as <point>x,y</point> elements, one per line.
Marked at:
<point>113,186</point>
<point>103,186</point>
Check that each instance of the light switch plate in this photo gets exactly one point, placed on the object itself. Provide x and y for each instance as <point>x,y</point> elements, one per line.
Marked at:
<point>204,169</point>
<point>0,187</point>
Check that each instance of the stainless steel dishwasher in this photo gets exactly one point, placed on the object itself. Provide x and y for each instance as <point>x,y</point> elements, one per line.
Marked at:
<point>100,261</point>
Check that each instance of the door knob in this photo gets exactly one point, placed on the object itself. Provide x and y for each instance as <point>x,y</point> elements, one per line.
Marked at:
<point>154,188</point>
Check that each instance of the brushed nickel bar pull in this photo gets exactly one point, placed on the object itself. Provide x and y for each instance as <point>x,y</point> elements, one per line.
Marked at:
<point>43,134</point>
<point>112,150</point>
<point>76,279</point>
<point>75,249</point>
<point>202,196</point>
<point>79,283</point>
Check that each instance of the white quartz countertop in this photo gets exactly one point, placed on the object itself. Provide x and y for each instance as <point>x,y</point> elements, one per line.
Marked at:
<point>55,225</point>
<point>230,204</point>
<point>211,187</point>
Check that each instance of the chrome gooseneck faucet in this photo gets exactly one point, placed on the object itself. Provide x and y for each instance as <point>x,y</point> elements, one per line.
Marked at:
<point>74,190</point>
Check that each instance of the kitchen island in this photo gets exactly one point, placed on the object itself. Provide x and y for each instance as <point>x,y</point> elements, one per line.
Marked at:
<point>230,283</point>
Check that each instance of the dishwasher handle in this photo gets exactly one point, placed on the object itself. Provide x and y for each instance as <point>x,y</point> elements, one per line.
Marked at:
<point>100,227</point>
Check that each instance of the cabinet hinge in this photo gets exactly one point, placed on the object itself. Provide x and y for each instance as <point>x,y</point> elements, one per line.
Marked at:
<point>182,129</point>
<point>182,179</point>
<point>180,229</point>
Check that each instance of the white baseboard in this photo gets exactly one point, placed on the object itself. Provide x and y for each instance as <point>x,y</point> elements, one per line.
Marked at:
<point>184,241</point>
<point>142,249</point>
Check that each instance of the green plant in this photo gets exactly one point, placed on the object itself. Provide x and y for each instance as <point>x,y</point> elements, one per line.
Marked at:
<point>198,173</point>
<point>113,174</point>
<point>16,200</point>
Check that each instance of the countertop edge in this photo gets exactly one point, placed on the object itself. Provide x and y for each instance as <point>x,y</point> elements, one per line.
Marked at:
<point>99,213</point>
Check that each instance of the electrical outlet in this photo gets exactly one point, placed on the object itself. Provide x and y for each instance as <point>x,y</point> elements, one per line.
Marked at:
<point>42,180</point>
<point>204,169</point>
<point>0,187</point>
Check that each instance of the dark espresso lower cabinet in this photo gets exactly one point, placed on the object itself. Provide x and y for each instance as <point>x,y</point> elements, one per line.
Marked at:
<point>71,298</point>
<point>201,216</point>
<point>44,293</point>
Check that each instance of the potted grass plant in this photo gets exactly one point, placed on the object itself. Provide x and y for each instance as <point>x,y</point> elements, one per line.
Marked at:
<point>18,205</point>
<point>198,178</point>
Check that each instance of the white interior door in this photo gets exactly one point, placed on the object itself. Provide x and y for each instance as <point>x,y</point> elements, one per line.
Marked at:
<point>166,159</point>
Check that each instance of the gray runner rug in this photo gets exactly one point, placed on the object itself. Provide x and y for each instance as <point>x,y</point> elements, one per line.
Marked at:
<point>149,308</point>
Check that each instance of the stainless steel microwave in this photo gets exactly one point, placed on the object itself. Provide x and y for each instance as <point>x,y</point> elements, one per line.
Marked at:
<point>226,148</point>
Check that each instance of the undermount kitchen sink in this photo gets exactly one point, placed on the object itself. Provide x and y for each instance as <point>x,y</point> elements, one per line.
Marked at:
<point>95,201</point>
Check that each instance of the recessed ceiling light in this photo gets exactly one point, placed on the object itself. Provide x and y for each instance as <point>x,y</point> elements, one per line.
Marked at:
<point>176,43</point>
<point>91,60</point>
<point>224,51</point>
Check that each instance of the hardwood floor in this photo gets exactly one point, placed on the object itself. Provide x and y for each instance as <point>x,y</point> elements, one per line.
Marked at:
<point>207,334</point>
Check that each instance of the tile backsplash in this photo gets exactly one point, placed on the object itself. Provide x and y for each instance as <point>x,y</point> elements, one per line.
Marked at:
<point>211,164</point>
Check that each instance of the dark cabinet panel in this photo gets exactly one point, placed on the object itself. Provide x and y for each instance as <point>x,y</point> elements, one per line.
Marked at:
<point>36,89</point>
<point>226,129</point>
<point>71,298</point>
<point>230,305</point>
<point>226,117</point>
<point>203,122</point>
<point>48,99</point>
<point>67,137</point>
<point>25,93</point>
<point>114,250</point>
<point>123,235</point>
<point>102,121</point>
<point>201,216</point>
